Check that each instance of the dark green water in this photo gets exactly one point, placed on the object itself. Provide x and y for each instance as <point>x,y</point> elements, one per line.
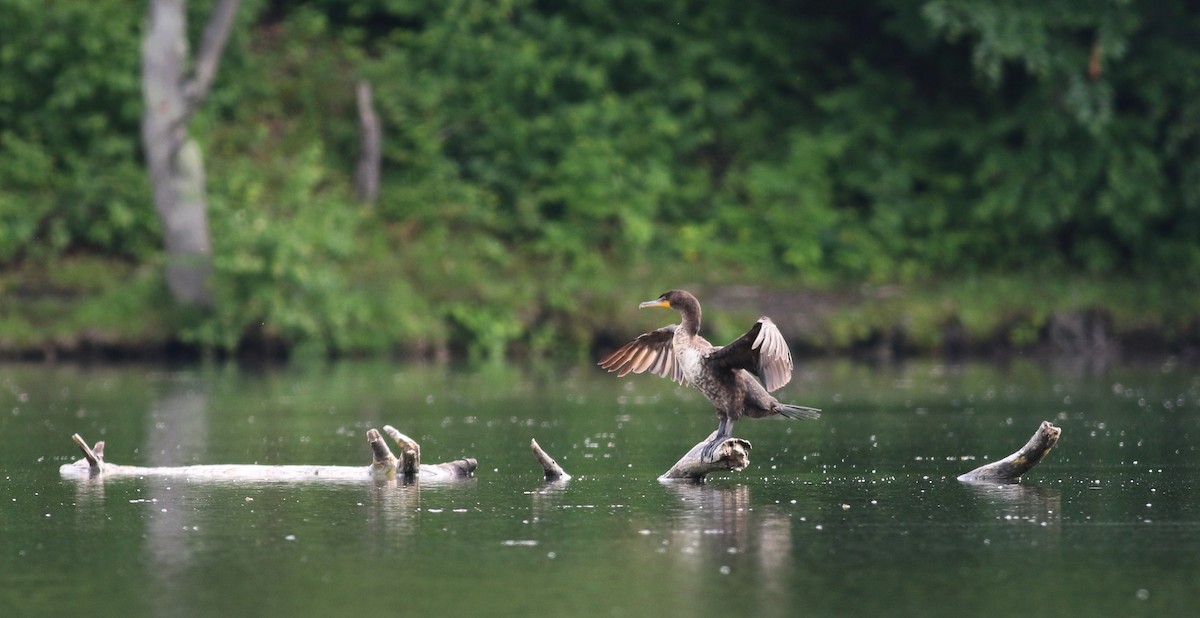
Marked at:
<point>855,514</point>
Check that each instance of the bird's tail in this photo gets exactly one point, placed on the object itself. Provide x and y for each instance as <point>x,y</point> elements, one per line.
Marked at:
<point>799,412</point>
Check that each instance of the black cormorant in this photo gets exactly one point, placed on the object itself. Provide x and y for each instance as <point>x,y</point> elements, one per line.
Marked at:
<point>722,373</point>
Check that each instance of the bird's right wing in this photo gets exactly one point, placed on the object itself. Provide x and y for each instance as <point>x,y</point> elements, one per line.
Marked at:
<point>651,351</point>
<point>761,350</point>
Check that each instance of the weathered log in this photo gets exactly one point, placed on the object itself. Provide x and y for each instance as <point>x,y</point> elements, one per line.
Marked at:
<point>384,465</point>
<point>732,455</point>
<point>1012,467</point>
<point>553,471</point>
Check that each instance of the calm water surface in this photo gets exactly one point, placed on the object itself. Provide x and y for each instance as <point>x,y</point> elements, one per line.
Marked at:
<point>855,514</point>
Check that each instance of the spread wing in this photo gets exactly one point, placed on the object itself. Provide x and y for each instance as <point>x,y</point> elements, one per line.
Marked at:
<point>761,350</point>
<point>651,351</point>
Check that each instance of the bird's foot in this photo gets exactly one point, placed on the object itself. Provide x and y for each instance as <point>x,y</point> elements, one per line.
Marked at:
<point>709,454</point>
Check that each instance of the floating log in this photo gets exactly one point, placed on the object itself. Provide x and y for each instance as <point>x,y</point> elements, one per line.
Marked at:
<point>384,465</point>
<point>1011,468</point>
<point>553,471</point>
<point>732,455</point>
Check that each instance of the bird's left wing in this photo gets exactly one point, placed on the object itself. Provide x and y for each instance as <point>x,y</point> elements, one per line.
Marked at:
<point>761,350</point>
<point>651,351</point>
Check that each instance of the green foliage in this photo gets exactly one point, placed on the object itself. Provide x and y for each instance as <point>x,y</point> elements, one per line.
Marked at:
<point>81,300</point>
<point>69,106</point>
<point>293,263</point>
<point>541,160</point>
<point>722,135</point>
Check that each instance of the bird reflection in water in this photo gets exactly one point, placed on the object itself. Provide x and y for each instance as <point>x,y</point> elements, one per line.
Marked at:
<point>719,528</point>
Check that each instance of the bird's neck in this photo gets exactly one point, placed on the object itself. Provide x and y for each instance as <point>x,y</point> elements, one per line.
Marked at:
<point>690,310</point>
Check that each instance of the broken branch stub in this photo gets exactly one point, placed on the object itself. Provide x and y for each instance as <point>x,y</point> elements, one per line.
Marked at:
<point>733,455</point>
<point>410,451</point>
<point>1012,467</point>
<point>383,462</point>
<point>552,470</point>
<point>94,456</point>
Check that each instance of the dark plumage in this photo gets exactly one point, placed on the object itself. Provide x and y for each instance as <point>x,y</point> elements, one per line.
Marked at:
<point>722,373</point>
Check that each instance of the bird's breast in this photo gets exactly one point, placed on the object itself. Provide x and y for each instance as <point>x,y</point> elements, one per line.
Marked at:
<point>691,362</point>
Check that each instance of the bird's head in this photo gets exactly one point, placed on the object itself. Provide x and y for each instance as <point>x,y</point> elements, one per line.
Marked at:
<point>684,303</point>
<point>674,299</point>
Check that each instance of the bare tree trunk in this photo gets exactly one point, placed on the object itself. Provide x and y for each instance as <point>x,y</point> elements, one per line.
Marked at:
<point>367,174</point>
<point>171,95</point>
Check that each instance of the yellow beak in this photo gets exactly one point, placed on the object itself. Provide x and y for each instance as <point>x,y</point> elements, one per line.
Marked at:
<point>658,302</point>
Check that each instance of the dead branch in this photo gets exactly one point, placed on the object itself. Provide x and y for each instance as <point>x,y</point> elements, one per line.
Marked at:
<point>733,455</point>
<point>94,457</point>
<point>410,452</point>
<point>383,461</point>
<point>1012,467</point>
<point>384,465</point>
<point>212,44</point>
<point>553,471</point>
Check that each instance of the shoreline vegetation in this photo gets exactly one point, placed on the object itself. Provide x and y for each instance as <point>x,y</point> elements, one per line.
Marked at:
<point>882,178</point>
<point>85,308</point>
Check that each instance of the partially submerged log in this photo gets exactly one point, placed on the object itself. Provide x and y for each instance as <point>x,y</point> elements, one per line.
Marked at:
<point>732,455</point>
<point>553,471</point>
<point>384,465</point>
<point>1011,468</point>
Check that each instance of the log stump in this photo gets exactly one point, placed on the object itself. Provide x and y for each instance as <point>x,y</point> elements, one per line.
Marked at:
<point>1011,468</point>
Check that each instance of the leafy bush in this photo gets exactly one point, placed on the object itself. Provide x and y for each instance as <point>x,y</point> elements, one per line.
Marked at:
<point>70,174</point>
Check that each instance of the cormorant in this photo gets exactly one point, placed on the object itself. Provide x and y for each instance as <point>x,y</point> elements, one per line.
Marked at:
<point>722,373</point>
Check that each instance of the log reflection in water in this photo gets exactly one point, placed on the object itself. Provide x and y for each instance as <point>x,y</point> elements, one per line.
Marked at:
<point>1020,502</point>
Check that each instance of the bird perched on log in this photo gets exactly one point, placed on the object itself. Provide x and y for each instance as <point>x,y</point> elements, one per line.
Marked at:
<point>722,373</point>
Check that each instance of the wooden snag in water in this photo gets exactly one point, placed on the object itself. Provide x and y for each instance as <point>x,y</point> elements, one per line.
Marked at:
<point>733,455</point>
<point>384,464</point>
<point>457,469</point>
<point>94,456</point>
<point>409,465</point>
<point>1011,468</point>
<point>410,452</point>
<point>553,471</point>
